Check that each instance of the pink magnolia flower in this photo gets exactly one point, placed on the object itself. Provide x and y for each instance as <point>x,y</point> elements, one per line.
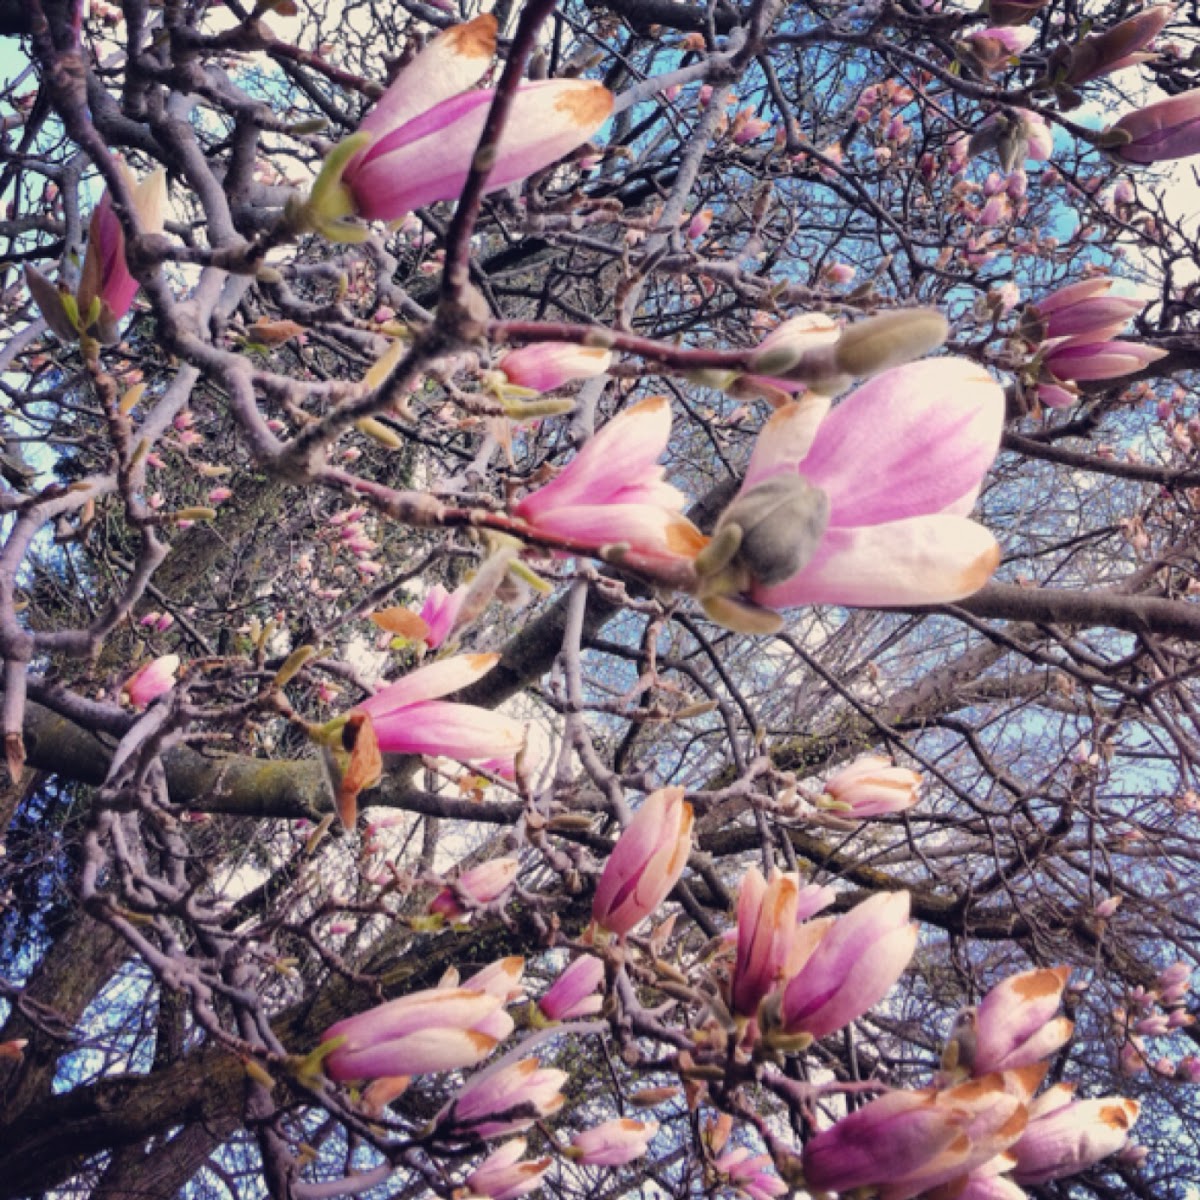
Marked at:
<point>614,1143</point>
<point>766,923</point>
<point>151,681</point>
<point>853,966</point>
<point>646,863</point>
<point>899,462</point>
<point>872,786</point>
<point>501,979</point>
<point>1163,131</point>
<point>505,1099</point>
<point>409,719</point>
<point>1080,361</point>
<point>574,992</point>
<point>424,132</point>
<point>613,491</point>
<point>545,366</point>
<point>906,1143</point>
<point>440,612</point>
<point>105,275</point>
<point>751,1175</point>
<point>1119,47</point>
<point>1016,1023</point>
<point>502,1176</point>
<point>439,1029</point>
<point>1064,1139</point>
<point>840,273</point>
<point>1085,311</point>
<point>481,885</point>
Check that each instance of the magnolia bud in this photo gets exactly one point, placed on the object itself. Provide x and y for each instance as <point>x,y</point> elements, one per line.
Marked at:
<point>890,340</point>
<point>782,521</point>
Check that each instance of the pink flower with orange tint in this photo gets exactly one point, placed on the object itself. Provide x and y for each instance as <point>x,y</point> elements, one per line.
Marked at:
<point>410,719</point>
<point>766,924</point>
<point>864,506</point>
<point>1066,1136</point>
<point>872,786</point>
<point>440,1029</point>
<point>646,863</point>
<point>502,1176</point>
<point>613,492</point>
<point>1017,1024</point>
<point>1161,132</point>
<point>504,1099</point>
<point>417,144</point>
<point>853,966</point>
<point>575,993</point>
<point>614,1143</point>
<point>481,885</point>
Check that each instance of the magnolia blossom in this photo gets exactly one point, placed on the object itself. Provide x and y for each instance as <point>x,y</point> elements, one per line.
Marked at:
<point>765,927</point>
<point>574,993</point>
<point>151,681</point>
<point>1078,360</point>
<point>410,719</point>
<point>422,136</point>
<point>1163,131</point>
<point>751,1175</point>
<point>501,979</point>
<point>440,1029</point>
<point>544,366</point>
<point>481,885</point>
<point>614,1143</point>
<point>1016,1024</point>
<point>502,1176</point>
<point>505,1099</point>
<point>866,506</point>
<point>105,275</point>
<point>646,863</point>
<point>440,612</point>
<point>1066,1136</point>
<point>871,787</point>
<point>1085,311</point>
<point>853,966</point>
<point>906,1143</point>
<point>992,48</point>
<point>1119,47</point>
<point>613,491</point>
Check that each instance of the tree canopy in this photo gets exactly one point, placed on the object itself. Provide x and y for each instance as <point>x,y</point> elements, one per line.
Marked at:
<point>622,572</point>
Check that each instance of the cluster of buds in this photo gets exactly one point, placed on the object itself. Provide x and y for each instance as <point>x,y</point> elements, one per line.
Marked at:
<point>418,144</point>
<point>980,1131</point>
<point>1156,1012</point>
<point>1072,331</point>
<point>795,979</point>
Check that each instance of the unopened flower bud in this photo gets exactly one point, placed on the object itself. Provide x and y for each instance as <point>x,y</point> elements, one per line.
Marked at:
<point>890,340</point>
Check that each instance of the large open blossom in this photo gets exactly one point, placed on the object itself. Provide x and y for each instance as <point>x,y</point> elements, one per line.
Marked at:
<point>613,491</point>
<point>866,505</point>
<point>417,145</point>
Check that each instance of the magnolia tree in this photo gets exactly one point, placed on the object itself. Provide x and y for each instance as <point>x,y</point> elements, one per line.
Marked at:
<point>600,597</point>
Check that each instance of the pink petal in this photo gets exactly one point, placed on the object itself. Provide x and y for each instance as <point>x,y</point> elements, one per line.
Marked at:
<point>428,159</point>
<point>647,528</point>
<point>454,61</point>
<point>909,442</point>
<point>459,731</point>
<point>923,560</point>
<point>786,439</point>
<point>623,454</point>
<point>428,683</point>
<point>413,1054</point>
